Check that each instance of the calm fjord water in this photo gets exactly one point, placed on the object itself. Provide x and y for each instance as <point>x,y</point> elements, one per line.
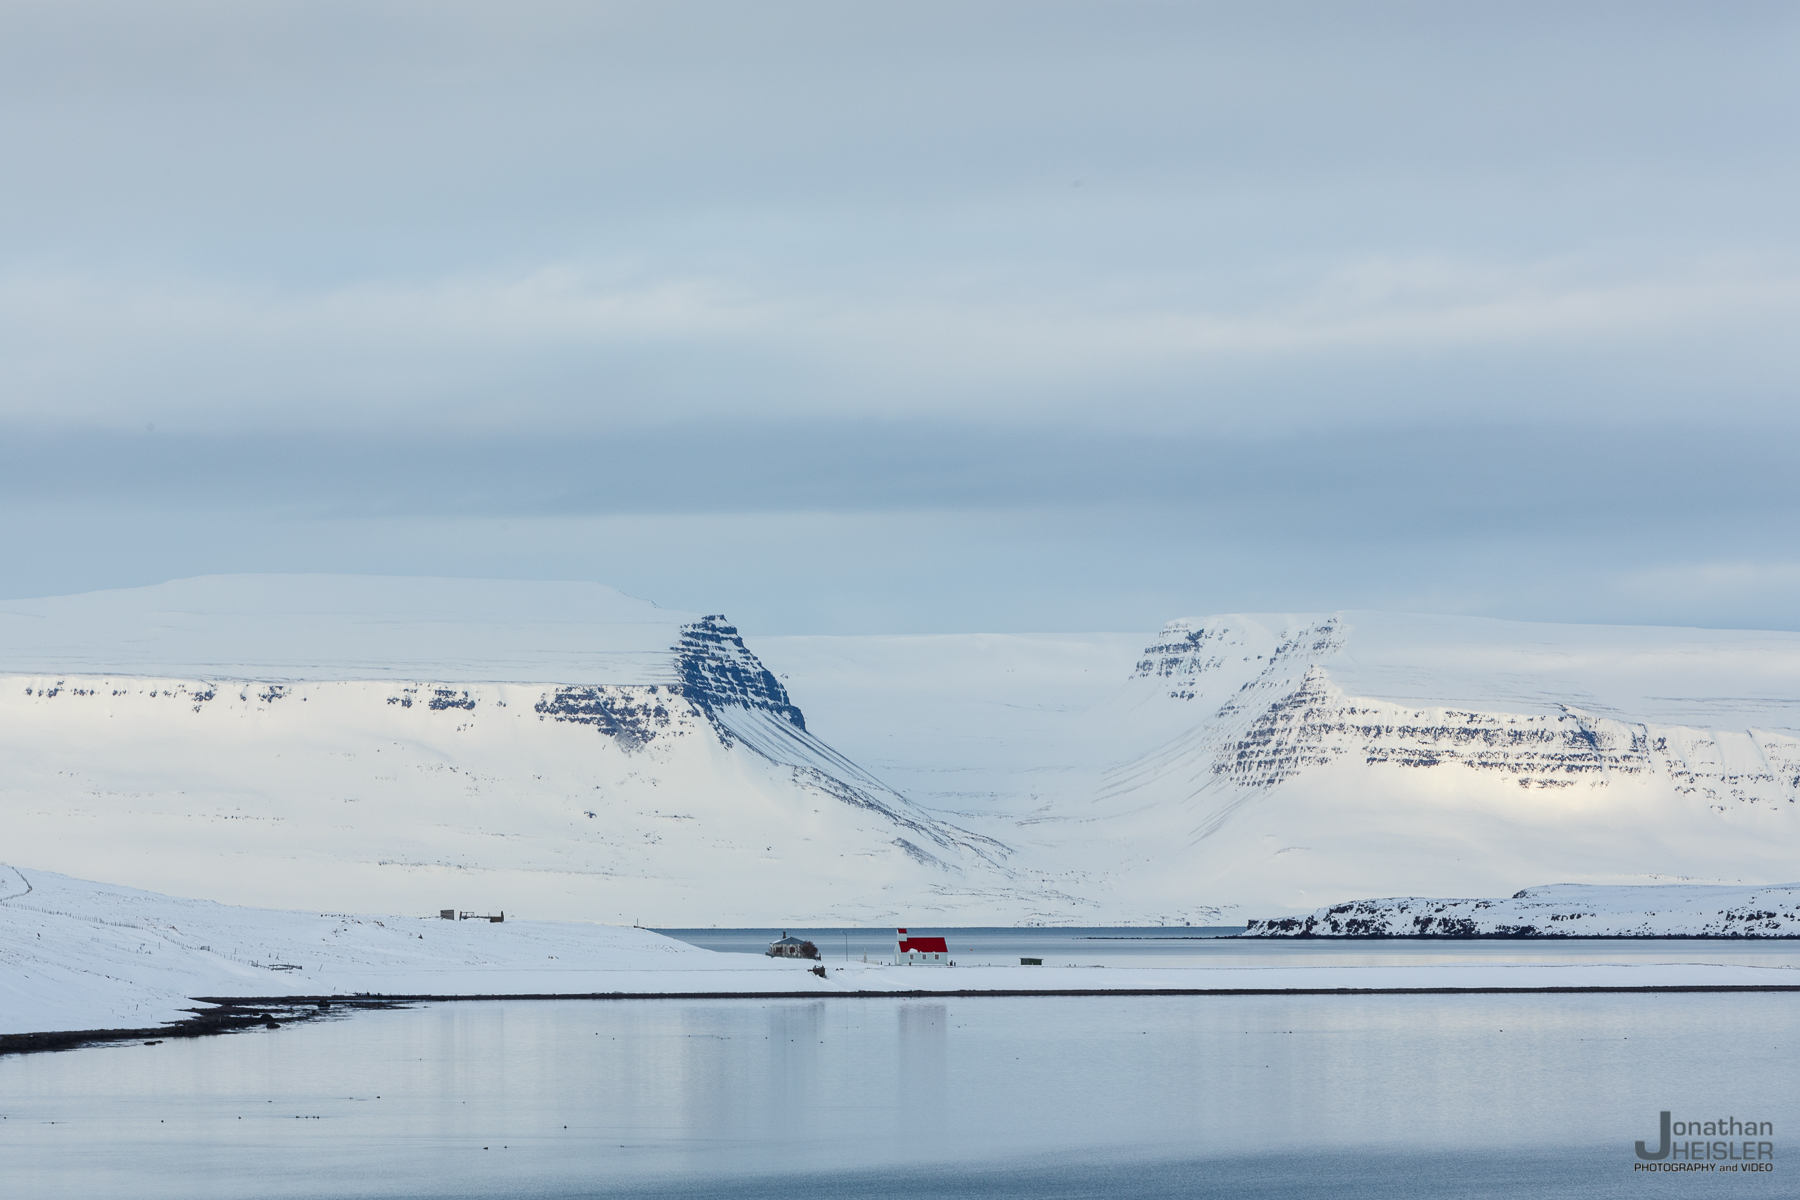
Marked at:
<point>1363,1096</point>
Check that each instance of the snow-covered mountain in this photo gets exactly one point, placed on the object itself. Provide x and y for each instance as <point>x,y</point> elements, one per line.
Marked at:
<point>1561,911</point>
<point>567,752</point>
<point>404,745</point>
<point>1274,763</point>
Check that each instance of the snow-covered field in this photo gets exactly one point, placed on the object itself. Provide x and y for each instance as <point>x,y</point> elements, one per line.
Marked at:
<point>1562,910</point>
<point>80,955</point>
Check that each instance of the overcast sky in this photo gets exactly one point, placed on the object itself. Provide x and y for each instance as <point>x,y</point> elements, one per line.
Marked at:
<point>921,317</point>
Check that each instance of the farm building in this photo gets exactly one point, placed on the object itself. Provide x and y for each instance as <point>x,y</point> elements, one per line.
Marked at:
<point>911,950</point>
<point>792,947</point>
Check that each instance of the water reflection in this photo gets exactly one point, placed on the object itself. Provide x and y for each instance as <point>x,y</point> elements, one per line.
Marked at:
<point>921,1054</point>
<point>574,1098</point>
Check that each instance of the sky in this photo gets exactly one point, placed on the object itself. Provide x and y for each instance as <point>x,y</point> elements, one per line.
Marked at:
<point>920,318</point>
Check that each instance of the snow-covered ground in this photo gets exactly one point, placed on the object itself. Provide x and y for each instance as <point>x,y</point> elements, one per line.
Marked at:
<point>82,955</point>
<point>78,955</point>
<point>1561,910</point>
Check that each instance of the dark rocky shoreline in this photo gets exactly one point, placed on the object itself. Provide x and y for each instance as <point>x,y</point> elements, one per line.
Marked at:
<point>224,1016</point>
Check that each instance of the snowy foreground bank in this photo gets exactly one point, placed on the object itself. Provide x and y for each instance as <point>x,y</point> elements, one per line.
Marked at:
<point>76,955</point>
<point>1561,910</point>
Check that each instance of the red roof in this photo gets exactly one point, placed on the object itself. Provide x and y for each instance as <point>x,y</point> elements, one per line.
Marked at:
<point>924,945</point>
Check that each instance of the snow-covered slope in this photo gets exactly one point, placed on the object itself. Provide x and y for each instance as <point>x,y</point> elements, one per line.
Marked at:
<point>83,955</point>
<point>385,745</point>
<point>1561,910</point>
<point>1273,763</point>
<point>959,722</point>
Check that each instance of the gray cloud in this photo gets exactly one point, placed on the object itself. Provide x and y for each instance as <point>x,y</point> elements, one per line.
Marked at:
<point>1347,304</point>
<point>1445,481</point>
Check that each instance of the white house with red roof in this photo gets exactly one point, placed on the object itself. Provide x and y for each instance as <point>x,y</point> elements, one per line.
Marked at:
<point>910,950</point>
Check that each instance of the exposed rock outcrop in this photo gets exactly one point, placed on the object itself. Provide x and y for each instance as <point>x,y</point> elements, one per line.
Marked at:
<point>1560,911</point>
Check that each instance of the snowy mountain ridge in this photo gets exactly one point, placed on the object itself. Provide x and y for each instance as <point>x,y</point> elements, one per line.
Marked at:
<point>1298,711</point>
<point>1276,762</point>
<point>692,793</point>
<point>405,744</point>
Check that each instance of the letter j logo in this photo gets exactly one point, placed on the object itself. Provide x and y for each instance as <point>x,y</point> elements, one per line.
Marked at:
<point>1662,1150</point>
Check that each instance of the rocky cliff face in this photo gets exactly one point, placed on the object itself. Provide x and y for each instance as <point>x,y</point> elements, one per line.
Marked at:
<point>717,672</point>
<point>1265,707</point>
<point>718,679</point>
